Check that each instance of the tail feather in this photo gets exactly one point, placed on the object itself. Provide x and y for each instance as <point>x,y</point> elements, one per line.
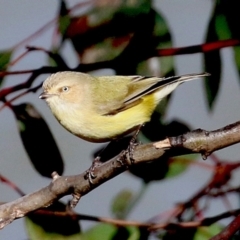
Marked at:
<point>183,78</point>
<point>167,85</point>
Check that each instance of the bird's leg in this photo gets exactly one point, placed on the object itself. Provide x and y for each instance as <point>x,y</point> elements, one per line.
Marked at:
<point>90,175</point>
<point>133,143</point>
<point>131,146</point>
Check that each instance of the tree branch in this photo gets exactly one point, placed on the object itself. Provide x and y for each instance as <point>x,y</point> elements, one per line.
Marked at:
<point>229,231</point>
<point>198,141</point>
<point>148,225</point>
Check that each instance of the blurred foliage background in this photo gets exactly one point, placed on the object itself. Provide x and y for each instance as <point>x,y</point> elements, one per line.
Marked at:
<point>124,37</point>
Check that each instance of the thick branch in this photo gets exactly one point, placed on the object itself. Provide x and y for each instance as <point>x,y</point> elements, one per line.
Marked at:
<point>206,142</point>
<point>198,141</point>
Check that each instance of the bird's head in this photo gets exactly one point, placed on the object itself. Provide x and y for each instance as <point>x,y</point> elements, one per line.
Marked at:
<point>65,87</point>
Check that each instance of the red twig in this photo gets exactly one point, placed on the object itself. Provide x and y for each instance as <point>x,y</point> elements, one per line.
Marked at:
<point>11,185</point>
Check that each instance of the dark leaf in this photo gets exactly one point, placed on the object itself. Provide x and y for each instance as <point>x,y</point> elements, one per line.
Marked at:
<point>141,46</point>
<point>56,60</point>
<point>38,140</point>
<point>121,234</point>
<point>63,8</point>
<point>212,61</point>
<point>158,169</point>
<point>155,130</point>
<point>230,11</point>
<point>47,226</point>
<point>212,83</point>
<point>106,23</point>
<point>152,171</point>
<point>158,66</point>
<point>144,234</point>
<point>180,233</point>
<point>127,233</point>
<point>112,149</point>
<point>124,33</point>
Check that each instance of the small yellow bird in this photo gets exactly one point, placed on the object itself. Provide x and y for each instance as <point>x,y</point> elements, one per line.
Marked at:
<point>100,109</point>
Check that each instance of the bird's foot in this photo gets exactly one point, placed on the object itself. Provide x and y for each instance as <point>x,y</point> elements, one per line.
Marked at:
<point>90,175</point>
<point>133,143</point>
<point>131,147</point>
<point>127,154</point>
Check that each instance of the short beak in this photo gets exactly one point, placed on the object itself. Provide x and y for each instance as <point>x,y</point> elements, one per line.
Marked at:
<point>45,95</point>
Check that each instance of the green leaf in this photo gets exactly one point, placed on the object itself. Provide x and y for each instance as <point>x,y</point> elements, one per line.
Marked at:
<point>51,227</point>
<point>221,26</point>
<point>64,19</point>
<point>134,233</point>
<point>160,66</point>
<point>237,58</point>
<point>121,203</point>
<point>230,11</point>
<point>64,22</point>
<point>111,232</point>
<point>38,140</point>
<point>5,57</point>
<point>212,61</point>
<point>100,231</point>
<point>180,164</point>
<point>205,233</point>
<point>36,232</point>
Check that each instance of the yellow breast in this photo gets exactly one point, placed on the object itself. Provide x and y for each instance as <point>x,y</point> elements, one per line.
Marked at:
<point>94,127</point>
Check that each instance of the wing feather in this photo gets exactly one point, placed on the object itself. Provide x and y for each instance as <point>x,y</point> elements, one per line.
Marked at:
<point>124,92</point>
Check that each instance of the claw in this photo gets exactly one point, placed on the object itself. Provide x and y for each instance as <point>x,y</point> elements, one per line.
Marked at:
<point>90,172</point>
<point>75,200</point>
<point>122,155</point>
<point>133,143</point>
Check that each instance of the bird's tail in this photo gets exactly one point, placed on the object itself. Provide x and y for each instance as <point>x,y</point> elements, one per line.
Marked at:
<point>167,85</point>
<point>183,78</point>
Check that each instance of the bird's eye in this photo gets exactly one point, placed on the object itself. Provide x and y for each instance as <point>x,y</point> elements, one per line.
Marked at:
<point>65,89</point>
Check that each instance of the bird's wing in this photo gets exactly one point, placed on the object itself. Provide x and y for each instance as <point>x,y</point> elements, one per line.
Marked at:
<point>109,93</point>
<point>130,90</point>
<point>121,93</point>
<point>142,86</point>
